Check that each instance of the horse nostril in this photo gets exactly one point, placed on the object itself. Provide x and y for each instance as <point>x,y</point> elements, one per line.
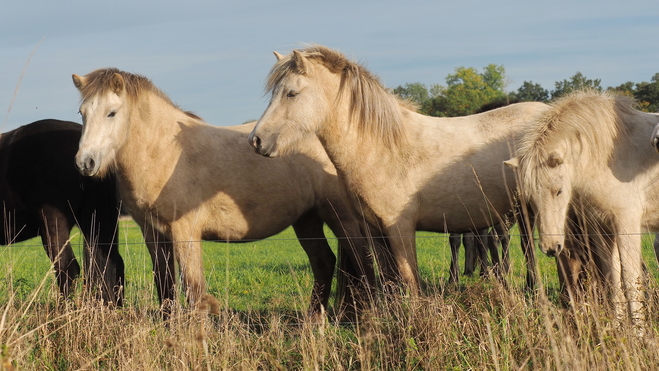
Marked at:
<point>256,142</point>
<point>90,163</point>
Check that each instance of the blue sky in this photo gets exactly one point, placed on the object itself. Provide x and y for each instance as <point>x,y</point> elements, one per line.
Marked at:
<point>211,57</point>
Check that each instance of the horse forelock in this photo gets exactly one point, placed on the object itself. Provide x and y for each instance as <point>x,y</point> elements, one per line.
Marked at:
<point>98,82</point>
<point>589,122</point>
<point>375,110</point>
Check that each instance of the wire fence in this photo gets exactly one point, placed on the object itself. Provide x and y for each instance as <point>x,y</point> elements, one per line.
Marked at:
<point>424,235</point>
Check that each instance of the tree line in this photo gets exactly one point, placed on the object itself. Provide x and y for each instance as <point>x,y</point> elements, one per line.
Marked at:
<point>467,91</point>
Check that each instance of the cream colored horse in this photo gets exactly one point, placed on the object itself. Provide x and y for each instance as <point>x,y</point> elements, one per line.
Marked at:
<point>183,180</point>
<point>407,171</point>
<point>588,154</point>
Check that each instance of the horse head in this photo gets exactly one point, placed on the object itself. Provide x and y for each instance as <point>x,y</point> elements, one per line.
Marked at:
<point>104,115</point>
<point>299,103</point>
<point>546,185</point>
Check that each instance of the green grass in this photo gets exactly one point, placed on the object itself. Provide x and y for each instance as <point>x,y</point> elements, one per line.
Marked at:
<point>264,287</point>
<point>268,275</point>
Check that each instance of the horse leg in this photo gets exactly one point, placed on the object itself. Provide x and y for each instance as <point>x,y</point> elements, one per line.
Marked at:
<point>481,239</point>
<point>402,238</point>
<point>309,231</point>
<point>162,259</point>
<point>99,221</point>
<point>491,240</point>
<point>469,243</point>
<point>187,252</point>
<point>454,242</point>
<point>383,256</point>
<point>55,238</point>
<point>570,268</point>
<point>356,275</point>
<point>525,221</point>
<point>503,238</point>
<point>631,264</point>
<point>612,275</point>
<point>104,266</point>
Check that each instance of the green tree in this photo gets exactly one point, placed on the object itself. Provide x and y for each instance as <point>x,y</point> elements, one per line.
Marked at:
<point>624,89</point>
<point>530,92</point>
<point>647,94</point>
<point>467,90</point>
<point>494,77</point>
<point>576,82</point>
<point>415,92</point>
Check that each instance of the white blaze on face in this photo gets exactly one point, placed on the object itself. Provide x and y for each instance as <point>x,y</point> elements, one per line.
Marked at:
<point>552,200</point>
<point>104,120</point>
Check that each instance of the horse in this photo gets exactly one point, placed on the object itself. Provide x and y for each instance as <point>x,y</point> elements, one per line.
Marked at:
<point>184,181</point>
<point>390,157</point>
<point>43,195</point>
<point>584,158</point>
<point>475,250</point>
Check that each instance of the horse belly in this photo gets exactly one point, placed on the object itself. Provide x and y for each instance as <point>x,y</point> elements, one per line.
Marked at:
<point>250,220</point>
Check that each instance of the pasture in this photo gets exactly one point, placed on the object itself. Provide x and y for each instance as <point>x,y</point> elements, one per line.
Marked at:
<point>263,288</point>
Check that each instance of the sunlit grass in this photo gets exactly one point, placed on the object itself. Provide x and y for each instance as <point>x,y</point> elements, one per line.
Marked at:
<point>264,288</point>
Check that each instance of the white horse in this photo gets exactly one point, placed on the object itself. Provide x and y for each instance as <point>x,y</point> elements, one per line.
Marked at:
<point>587,154</point>
<point>183,180</point>
<point>406,171</point>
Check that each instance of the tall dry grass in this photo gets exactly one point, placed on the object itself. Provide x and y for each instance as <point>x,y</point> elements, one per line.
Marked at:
<point>484,326</point>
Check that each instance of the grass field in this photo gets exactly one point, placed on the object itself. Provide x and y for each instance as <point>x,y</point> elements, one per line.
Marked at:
<point>264,287</point>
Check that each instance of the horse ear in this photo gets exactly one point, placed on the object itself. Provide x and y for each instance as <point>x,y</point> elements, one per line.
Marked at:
<point>117,84</point>
<point>513,163</point>
<point>554,159</point>
<point>78,81</point>
<point>301,63</point>
<point>279,56</point>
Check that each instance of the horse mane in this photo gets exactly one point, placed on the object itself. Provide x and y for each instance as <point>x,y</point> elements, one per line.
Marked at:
<point>99,82</point>
<point>588,120</point>
<point>375,109</point>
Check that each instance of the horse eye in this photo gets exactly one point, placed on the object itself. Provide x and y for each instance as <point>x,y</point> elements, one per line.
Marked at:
<point>111,114</point>
<point>291,94</point>
<point>559,192</point>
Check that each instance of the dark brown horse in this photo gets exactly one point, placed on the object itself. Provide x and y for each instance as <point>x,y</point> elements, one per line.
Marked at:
<point>43,194</point>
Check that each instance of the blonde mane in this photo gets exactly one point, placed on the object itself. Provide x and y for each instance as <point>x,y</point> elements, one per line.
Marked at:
<point>587,121</point>
<point>99,82</point>
<point>375,109</point>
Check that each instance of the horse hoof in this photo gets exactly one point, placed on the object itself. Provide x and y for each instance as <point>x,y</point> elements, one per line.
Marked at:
<point>209,304</point>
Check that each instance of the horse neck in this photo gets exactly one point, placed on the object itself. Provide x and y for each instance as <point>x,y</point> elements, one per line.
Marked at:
<point>150,144</point>
<point>364,164</point>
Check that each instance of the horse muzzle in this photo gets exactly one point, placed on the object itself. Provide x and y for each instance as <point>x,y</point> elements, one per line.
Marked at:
<point>256,143</point>
<point>655,137</point>
<point>86,165</point>
<point>553,249</point>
